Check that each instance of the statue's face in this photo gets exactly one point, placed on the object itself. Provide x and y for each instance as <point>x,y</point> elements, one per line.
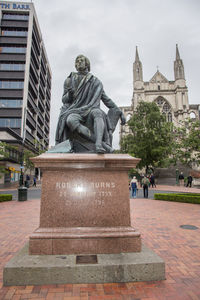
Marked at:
<point>81,63</point>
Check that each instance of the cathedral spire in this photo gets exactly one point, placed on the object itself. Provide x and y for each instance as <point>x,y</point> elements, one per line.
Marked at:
<point>137,68</point>
<point>136,55</point>
<point>178,66</point>
<point>177,53</point>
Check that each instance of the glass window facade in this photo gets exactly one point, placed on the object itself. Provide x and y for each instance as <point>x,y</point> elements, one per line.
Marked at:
<point>12,50</point>
<point>12,103</point>
<point>11,84</point>
<point>14,33</point>
<point>12,67</point>
<point>8,122</point>
<point>15,17</point>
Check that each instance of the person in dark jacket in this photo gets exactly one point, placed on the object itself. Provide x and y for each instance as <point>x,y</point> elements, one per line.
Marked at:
<point>189,181</point>
<point>152,181</point>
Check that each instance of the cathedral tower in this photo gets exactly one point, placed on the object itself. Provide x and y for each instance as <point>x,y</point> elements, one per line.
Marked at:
<point>179,73</point>
<point>171,96</point>
<point>138,84</point>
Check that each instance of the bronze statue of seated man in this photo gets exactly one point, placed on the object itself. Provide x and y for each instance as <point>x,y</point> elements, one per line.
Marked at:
<point>81,120</point>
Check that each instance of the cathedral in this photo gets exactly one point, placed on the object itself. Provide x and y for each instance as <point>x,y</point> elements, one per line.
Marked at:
<point>170,96</point>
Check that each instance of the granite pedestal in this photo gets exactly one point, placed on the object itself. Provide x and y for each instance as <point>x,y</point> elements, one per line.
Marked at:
<point>85,205</point>
<point>85,233</point>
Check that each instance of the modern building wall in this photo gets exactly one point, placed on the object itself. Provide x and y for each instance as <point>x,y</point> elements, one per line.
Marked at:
<point>171,96</point>
<point>25,75</point>
<point>25,78</point>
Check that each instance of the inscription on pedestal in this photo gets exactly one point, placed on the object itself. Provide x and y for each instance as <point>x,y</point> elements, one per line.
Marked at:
<point>81,192</point>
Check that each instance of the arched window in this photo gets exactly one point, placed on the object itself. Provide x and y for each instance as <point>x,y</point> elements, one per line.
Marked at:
<point>169,117</point>
<point>165,108</point>
<point>192,115</point>
<point>128,117</point>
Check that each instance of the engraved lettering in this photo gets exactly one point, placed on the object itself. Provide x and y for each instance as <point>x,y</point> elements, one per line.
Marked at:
<point>113,185</point>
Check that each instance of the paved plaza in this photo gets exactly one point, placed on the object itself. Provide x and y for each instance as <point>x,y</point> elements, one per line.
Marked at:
<point>159,223</point>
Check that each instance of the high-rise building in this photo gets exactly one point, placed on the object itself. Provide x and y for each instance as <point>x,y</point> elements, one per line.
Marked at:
<point>171,96</point>
<point>25,78</point>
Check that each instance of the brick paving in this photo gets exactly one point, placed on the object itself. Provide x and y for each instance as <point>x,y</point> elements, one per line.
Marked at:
<point>159,223</point>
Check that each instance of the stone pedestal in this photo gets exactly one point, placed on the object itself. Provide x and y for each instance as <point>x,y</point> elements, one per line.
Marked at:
<point>85,207</point>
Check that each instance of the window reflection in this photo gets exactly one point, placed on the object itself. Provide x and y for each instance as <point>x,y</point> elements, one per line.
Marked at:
<point>12,67</point>
<point>6,122</point>
<point>14,33</point>
<point>11,84</point>
<point>10,103</point>
<point>12,50</point>
<point>15,17</point>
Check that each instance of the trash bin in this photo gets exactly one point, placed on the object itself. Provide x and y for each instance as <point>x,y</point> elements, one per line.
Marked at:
<point>22,193</point>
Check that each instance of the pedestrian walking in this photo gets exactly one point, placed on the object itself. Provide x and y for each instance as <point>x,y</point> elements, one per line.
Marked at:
<point>134,186</point>
<point>34,181</point>
<point>145,184</point>
<point>27,181</point>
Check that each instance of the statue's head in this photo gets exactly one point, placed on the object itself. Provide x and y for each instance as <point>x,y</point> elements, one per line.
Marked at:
<point>82,63</point>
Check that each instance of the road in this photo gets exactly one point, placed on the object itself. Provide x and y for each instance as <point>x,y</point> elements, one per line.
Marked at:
<point>35,193</point>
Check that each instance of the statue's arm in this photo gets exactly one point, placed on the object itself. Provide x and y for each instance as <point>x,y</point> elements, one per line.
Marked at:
<point>67,97</point>
<point>110,104</point>
<point>107,101</point>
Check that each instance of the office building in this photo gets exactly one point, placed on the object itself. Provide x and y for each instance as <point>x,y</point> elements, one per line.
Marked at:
<point>25,81</point>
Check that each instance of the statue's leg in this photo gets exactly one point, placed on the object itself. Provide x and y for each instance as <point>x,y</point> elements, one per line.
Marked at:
<point>74,123</point>
<point>98,129</point>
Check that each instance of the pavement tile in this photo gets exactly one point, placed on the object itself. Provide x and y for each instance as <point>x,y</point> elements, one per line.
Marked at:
<point>159,223</point>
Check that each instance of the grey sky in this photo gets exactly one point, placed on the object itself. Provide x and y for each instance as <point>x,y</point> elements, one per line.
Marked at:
<point>107,32</point>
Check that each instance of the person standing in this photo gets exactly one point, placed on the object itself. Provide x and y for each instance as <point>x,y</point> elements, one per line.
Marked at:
<point>189,181</point>
<point>145,184</point>
<point>181,179</point>
<point>134,185</point>
<point>152,181</point>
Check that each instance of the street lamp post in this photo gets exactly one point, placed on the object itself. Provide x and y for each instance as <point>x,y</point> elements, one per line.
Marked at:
<point>177,177</point>
<point>22,191</point>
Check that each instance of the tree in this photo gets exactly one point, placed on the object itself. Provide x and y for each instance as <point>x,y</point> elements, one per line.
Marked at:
<point>7,152</point>
<point>3,156</point>
<point>152,136</point>
<point>188,143</point>
<point>28,165</point>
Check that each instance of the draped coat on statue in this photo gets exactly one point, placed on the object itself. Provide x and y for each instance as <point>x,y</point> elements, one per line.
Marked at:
<point>80,97</point>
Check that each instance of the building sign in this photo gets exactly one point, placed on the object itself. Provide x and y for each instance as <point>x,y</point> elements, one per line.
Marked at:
<point>14,6</point>
<point>11,169</point>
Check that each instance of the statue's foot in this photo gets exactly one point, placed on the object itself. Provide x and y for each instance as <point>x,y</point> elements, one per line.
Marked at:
<point>100,149</point>
<point>108,148</point>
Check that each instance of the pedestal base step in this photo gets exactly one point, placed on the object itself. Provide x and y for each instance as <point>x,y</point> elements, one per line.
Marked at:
<point>25,269</point>
<point>84,240</point>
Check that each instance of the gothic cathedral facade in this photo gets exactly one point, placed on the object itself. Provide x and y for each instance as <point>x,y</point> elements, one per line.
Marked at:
<point>170,96</point>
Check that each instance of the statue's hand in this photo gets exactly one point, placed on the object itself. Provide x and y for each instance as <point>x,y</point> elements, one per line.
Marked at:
<point>123,119</point>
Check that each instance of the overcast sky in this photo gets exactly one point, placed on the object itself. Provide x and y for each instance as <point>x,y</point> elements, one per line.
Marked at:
<point>107,32</point>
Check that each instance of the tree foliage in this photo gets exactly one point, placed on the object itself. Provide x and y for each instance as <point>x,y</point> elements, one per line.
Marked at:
<point>187,149</point>
<point>151,138</point>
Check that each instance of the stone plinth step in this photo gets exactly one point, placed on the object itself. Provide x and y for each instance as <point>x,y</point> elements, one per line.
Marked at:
<point>25,269</point>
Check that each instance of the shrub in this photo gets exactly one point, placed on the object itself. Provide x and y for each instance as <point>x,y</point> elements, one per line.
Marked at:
<point>184,197</point>
<point>5,197</point>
